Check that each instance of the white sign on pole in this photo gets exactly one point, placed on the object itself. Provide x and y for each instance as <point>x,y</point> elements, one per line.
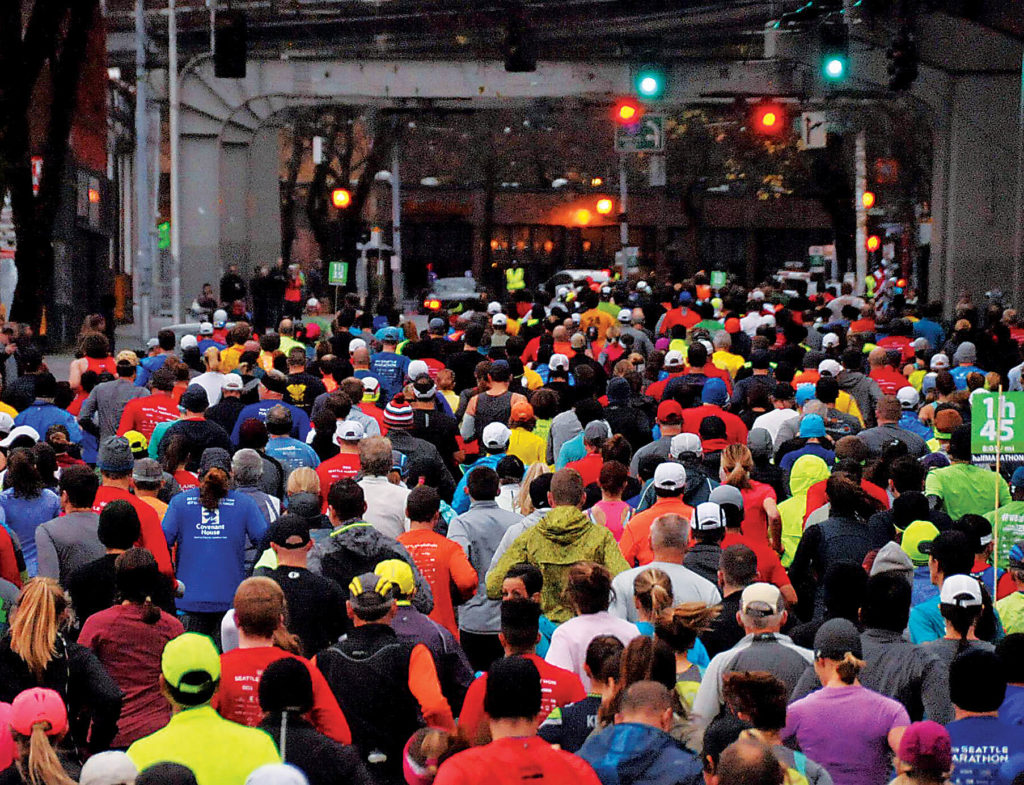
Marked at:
<point>813,130</point>
<point>318,149</point>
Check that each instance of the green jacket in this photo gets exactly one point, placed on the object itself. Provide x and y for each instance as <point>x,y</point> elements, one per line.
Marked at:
<point>562,537</point>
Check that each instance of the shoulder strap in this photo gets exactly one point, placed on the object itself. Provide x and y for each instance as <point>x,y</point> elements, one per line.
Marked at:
<point>800,760</point>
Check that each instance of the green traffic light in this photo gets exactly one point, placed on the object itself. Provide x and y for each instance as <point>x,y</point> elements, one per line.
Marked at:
<point>650,83</point>
<point>834,67</point>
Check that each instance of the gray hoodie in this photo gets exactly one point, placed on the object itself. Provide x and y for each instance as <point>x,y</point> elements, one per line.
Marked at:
<point>864,390</point>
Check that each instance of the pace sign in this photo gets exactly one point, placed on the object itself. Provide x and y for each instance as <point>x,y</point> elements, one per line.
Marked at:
<point>997,426</point>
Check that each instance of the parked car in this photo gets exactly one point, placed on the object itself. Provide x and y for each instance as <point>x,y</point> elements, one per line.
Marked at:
<point>448,293</point>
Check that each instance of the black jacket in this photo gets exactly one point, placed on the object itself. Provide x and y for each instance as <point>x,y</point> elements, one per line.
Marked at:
<point>91,694</point>
<point>323,760</point>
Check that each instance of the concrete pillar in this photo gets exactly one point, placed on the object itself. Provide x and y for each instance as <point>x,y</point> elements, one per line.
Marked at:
<point>263,206</point>
<point>200,213</point>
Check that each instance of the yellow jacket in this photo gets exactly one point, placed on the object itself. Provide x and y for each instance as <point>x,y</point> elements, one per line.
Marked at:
<point>527,446</point>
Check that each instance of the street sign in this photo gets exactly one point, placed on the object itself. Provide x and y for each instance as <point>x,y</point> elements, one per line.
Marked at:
<point>717,279</point>
<point>337,273</point>
<point>645,136</point>
<point>813,130</point>
<point>997,426</point>
<point>628,258</point>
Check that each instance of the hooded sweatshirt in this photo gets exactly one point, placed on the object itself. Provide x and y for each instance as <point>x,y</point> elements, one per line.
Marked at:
<point>807,470</point>
<point>630,753</point>
<point>562,537</point>
<point>864,390</point>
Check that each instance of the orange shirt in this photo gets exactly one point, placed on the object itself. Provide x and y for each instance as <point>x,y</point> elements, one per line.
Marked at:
<point>595,317</point>
<point>145,413</point>
<point>342,466</point>
<point>636,537</point>
<point>442,563</point>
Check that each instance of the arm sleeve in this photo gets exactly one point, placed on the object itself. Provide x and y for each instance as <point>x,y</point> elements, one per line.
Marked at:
<point>473,710</point>
<point>935,692</point>
<point>101,692</point>
<point>327,715</point>
<point>88,407</point>
<point>463,575</point>
<point>170,525</point>
<point>425,687</point>
<point>619,606</point>
<point>559,654</point>
<point>613,558</point>
<point>74,431</point>
<point>468,428</point>
<point>800,567</point>
<point>708,701</point>
<point>127,419</point>
<point>423,599</point>
<point>46,555</point>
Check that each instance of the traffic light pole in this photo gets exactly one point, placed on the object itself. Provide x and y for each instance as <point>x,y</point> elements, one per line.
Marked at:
<point>143,206</point>
<point>623,204</point>
<point>860,167</point>
<point>397,280</point>
<point>173,116</point>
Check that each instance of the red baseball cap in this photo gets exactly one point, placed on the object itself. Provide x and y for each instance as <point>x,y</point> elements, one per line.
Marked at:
<point>669,411</point>
<point>39,705</point>
<point>732,325</point>
<point>926,745</point>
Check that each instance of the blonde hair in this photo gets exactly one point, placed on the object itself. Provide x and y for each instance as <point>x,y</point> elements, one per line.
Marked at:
<point>736,464</point>
<point>653,590</point>
<point>303,480</point>
<point>523,503</point>
<point>35,624</point>
<point>679,626</point>
<point>38,763</point>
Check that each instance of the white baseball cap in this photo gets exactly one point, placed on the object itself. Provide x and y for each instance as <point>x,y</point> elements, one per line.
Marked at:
<point>830,366</point>
<point>940,362</point>
<point>625,315</point>
<point>356,343</point>
<point>21,430</point>
<point>708,517</point>
<point>558,362</point>
<point>829,340</point>
<point>6,422</point>
<point>762,599</point>
<point>908,397</point>
<point>674,359</point>
<point>189,342</point>
<point>206,328</point>
<point>493,307</point>
<point>417,368</point>
<point>499,320</point>
<point>220,317</point>
<point>685,444</point>
<point>312,302</point>
<point>495,435</point>
<point>960,590</point>
<point>348,431</point>
<point>233,382</point>
<point>670,476</point>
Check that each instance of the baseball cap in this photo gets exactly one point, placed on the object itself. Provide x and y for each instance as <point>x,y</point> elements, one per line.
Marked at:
<point>915,534</point>
<point>707,517</point>
<point>908,397</point>
<point>761,599</point>
<point>727,494</point>
<point>312,302</point>
<point>597,429</point>
<point>371,389</point>
<point>190,663</point>
<point>370,593</point>
<point>391,335</point>
<point>356,343</point>
<point>670,476</point>
<point>812,426</point>
<point>277,774</point>
<point>111,767</point>
<point>127,356</point>
<point>558,362</point>
<point>674,359</point>
<point>670,412</point>
<point>189,342</point>
<point>759,442</point>
<point>962,591</point>
<point>625,315</point>
<point>114,455</point>
<point>35,705</point>
<point>920,345</point>
<point>437,323</point>
<point>6,423</point>
<point>348,431</point>
<point>830,366</point>
<point>493,307</point>
<point>947,544</point>
<point>926,746</point>
<point>495,435</point>
<point>289,531</point>
<point>399,573</point>
<point>137,442</point>
<point>685,298</point>
<point>147,470</point>
<point>829,340</point>
<point>521,412</point>
<point>499,320</point>
<point>206,328</point>
<point>805,393</point>
<point>233,381</point>
<point>685,444</point>
<point>195,399</point>
<point>939,362</point>
<point>220,317</point>
<point>416,369</point>
<point>152,343</point>
<point>835,638</point>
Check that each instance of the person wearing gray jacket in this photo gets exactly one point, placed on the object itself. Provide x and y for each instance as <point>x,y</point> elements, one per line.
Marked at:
<point>478,532</point>
<point>861,387</point>
<point>896,668</point>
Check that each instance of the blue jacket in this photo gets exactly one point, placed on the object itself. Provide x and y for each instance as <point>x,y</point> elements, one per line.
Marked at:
<point>147,366</point>
<point>909,421</point>
<point>461,500</point>
<point>258,411</point>
<point>41,415</point>
<point>633,754</point>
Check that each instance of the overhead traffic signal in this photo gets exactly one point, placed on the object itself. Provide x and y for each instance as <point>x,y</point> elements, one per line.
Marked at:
<point>650,81</point>
<point>628,111</point>
<point>604,206</point>
<point>873,243</point>
<point>868,200</point>
<point>520,44</point>
<point>768,118</point>
<point>835,51</point>
<point>902,57</point>
<point>341,198</point>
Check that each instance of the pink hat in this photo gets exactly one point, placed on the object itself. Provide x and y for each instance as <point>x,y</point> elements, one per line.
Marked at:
<point>926,746</point>
<point>6,739</point>
<point>39,705</point>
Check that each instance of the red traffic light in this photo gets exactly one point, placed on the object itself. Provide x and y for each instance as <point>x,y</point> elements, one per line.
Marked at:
<point>902,283</point>
<point>868,200</point>
<point>341,198</point>
<point>628,111</point>
<point>873,243</point>
<point>768,117</point>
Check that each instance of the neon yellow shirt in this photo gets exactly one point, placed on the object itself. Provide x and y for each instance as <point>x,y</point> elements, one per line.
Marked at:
<point>219,752</point>
<point>727,361</point>
<point>527,446</point>
<point>1011,612</point>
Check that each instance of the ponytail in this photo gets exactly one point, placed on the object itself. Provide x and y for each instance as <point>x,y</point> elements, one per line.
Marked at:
<point>40,766</point>
<point>653,590</point>
<point>962,620</point>
<point>213,487</point>
<point>150,612</point>
<point>737,463</point>
<point>849,668</point>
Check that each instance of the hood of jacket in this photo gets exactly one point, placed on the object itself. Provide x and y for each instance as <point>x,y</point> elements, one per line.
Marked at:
<point>564,525</point>
<point>807,470</point>
<point>848,380</point>
<point>633,753</point>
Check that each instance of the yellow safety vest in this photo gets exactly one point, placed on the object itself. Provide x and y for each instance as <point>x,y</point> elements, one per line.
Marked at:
<point>515,279</point>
